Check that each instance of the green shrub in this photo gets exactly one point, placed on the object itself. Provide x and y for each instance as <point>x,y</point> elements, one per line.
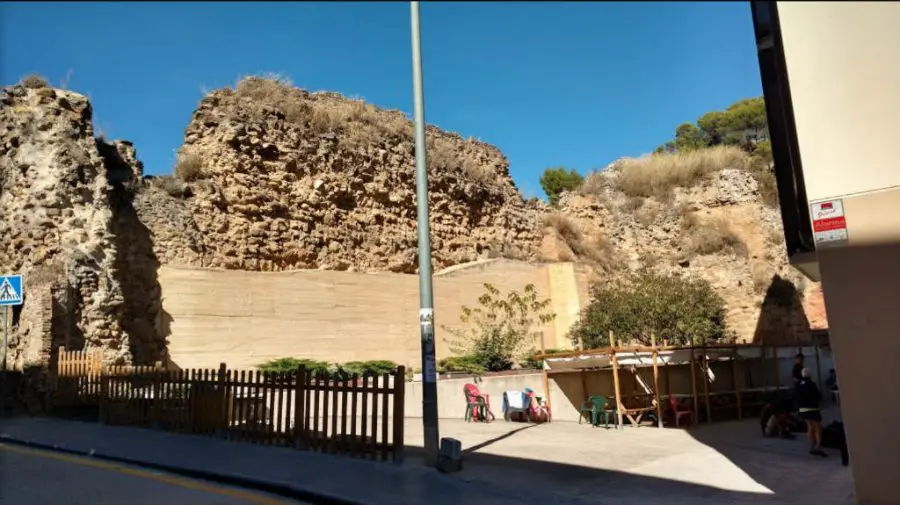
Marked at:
<point>376,367</point>
<point>532,362</point>
<point>334,371</point>
<point>463,364</point>
<point>644,304</point>
<point>556,180</point>
<point>292,364</point>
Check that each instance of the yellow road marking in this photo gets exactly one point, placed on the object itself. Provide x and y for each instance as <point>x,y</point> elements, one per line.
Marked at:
<point>167,479</point>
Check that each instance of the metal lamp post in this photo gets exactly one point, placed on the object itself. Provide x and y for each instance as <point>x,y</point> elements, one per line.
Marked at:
<point>426,294</point>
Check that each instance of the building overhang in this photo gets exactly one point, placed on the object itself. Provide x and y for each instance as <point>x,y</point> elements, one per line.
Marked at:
<point>807,263</point>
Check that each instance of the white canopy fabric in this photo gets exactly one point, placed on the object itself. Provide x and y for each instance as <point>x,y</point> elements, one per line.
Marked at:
<point>645,358</point>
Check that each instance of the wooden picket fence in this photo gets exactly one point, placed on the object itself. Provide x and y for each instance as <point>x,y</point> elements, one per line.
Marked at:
<point>360,417</point>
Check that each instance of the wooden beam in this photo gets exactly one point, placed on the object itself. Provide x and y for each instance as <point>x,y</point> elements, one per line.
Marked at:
<point>775,363</point>
<point>694,386</point>
<point>584,389</point>
<point>736,375</point>
<point>704,367</point>
<point>547,388</point>
<point>656,383</point>
<point>546,377</point>
<point>668,377</point>
<point>615,367</point>
<point>819,370</point>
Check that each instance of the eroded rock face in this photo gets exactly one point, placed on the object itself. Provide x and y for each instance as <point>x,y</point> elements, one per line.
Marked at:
<point>274,178</point>
<point>767,300</point>
<point>60,202</point>
<point>331,186</point>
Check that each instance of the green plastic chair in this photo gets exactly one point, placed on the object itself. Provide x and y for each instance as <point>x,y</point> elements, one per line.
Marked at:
<point>596,407</point>
<point>475,409</point>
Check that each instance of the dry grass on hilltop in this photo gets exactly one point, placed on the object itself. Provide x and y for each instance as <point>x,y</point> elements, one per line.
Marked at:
<point>658,174</point>
<point>189,167</point>
<point>34,81</point>
<point>356,123</point>
<point>711,236</point>
<point>596,249</point>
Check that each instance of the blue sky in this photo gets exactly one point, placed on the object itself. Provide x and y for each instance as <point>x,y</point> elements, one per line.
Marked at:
<point>572,84</point>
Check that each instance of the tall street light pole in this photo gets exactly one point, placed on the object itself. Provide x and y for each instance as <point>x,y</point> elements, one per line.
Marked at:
<point>426,294</point>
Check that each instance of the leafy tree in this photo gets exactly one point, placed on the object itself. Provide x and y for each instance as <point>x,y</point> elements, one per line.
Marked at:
<point>688,137</point>
<point>556,180</point>
<point>720,127</point>
<point>644,304</point>
<point>762,152</point>
<point>712,125</point>
<point>667,148</point>
<point>498,331</point>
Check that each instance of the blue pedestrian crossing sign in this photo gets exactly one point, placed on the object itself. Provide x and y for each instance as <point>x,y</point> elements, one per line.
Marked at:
<point>11,290</point>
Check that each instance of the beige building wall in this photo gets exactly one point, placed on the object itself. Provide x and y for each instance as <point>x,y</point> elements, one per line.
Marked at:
<point>246,318</point>
<point>843,63</point>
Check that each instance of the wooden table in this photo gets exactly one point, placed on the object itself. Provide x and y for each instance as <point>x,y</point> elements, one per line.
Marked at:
<point>639,412</point>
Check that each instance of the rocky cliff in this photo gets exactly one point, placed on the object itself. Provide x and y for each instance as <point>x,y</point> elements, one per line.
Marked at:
<point>271,177</point>
<point>718,222</point>
<point>276,178</point>
<point>64,202</point>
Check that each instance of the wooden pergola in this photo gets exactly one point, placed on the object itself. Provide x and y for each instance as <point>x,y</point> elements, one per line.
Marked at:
<point>699,358</point>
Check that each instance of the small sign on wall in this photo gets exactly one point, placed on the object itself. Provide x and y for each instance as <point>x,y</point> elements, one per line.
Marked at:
<point>829,223</point>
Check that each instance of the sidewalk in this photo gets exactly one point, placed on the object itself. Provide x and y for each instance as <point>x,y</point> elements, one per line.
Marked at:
<point>317,478</point>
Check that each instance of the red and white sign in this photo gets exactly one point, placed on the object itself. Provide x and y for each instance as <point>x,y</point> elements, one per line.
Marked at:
<point>829,223</point>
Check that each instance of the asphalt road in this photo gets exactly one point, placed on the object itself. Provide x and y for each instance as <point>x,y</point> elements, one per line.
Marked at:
<point>34,477</point>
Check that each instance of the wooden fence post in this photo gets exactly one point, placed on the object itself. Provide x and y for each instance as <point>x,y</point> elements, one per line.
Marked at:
<point>399,399</point>
<point>659,409</point>
<point>706,368</point>
<point>103,401</point>
<point>615,372</point>
<point>156,400</point>
<point>222,407</point>
<point>300,410</point>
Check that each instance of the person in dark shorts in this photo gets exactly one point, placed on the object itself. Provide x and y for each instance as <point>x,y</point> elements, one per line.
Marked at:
<point>806,398</point>
<point>798,368</point>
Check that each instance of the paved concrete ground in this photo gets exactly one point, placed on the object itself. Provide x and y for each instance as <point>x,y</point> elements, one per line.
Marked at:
<point>317,478</point>
<point>559,463</point>
<point>728,462</point>
<point>34,477</point>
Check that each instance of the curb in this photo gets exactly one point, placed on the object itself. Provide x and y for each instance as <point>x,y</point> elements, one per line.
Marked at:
<point>273,488</point>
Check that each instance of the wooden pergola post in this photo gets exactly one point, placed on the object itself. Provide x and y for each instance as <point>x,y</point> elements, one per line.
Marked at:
<point>694,384</point>
<point>776,366</point>
<point>656,381</point>
<point>546,376</point>
<point>704,367</point>
<point>584,388</point>
<point>615,368</point>
<point>819,369</point>
<point>737,381</point>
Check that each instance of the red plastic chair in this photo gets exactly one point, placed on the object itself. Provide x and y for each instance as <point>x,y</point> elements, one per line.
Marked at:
<point>680,410</point>
<point>478,404</point>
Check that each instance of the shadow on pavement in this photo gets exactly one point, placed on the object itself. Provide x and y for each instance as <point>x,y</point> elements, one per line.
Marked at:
<point>783,466</point>
<point>592,485</point>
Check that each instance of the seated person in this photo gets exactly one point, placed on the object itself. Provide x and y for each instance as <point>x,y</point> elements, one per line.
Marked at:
<point>775,418</point>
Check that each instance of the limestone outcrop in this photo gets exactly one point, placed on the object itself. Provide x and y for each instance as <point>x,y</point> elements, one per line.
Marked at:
<point>62,197</point>
<point>276,178</point>
<point>718,228</point>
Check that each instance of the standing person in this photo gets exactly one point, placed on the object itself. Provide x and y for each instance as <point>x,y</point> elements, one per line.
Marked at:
<point>832,385</point>
<point>798,368</point>
<point>807,397</point>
